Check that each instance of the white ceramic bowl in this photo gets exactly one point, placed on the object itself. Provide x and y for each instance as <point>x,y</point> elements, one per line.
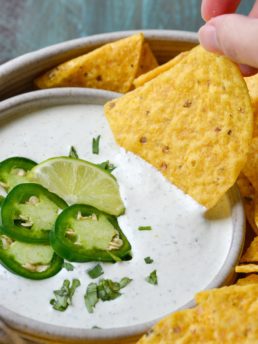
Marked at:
<point>17,77</point>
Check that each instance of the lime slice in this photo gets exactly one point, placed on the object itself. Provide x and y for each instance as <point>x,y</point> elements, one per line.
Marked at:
<point>78,181</point>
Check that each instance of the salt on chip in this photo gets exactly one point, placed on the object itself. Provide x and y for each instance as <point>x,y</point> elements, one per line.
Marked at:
<point>250,279</point>
<point>224,315</point>
<point>246,268</point>
<point>147,61</point>
<point>194,123</point>
<point>249,199</point>
<point>142,79</point>
<point>252,85</point>
<point>112,67</point>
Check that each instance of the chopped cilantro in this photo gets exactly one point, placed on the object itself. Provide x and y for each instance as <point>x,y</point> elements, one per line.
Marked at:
<point>95,145</point>
<point>144,228</point>
<point>91,297</point>
<point>152,278</point>
<point>107,166</point>
<point>68,266</point>
<point>96,271</point>
<point>106,290</point>
<point>73,153</point>
<point>63,296</point>
<point>148,260</point>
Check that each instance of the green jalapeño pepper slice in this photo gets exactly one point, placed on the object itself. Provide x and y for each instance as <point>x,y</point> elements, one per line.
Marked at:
<point>29,212</point>
<point>28,260</point>
<point>83,233</point>
<point>13,171</point>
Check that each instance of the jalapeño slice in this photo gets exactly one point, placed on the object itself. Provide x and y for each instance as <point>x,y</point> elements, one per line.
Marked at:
<point>29,212</point>
<point>31,261</point>
<point>13,171</point>
<point>83,233</point>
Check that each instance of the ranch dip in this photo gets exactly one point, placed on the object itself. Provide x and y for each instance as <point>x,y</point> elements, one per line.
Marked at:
<point>188,245</point>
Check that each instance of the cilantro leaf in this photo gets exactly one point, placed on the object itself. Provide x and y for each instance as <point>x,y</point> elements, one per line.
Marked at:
<point>95,145</point>
<point>148,260</point>
<point>107,166</point>
<point>152,278</point>
<point>96,271</point>
<point>73,153</point>
<point>68,266</point>
<point>144,228</point>
<point>63,296</point>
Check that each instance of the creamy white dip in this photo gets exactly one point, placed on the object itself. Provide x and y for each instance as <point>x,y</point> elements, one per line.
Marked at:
<point>187,247</point>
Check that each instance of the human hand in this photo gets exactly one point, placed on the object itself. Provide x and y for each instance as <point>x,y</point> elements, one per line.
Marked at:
<point>230,34</point>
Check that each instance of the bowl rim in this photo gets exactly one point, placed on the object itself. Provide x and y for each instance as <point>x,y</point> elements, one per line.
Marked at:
<point>30,326</point>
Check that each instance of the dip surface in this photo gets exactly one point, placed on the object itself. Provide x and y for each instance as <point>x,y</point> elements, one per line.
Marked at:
<point>188,246</point>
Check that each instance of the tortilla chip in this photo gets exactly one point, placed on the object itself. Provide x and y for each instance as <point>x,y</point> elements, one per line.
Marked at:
<point>252,85</point>
<point>224,315</point>
<point>251,167</point>
<point>111,67</point>
<point>248,196</point>
<point>251,279</point>
<point>246,268</point>
<point>141,80</point>
<point>148,60</point>
<point>251,254</point>
<point>194,123</point>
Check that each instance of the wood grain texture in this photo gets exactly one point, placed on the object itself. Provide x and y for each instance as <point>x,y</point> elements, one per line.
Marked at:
<point>27,25</point>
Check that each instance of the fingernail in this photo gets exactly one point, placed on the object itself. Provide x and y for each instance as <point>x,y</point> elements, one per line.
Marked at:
<point>208,38</point>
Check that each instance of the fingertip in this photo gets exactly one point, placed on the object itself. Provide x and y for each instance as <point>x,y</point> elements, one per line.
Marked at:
<point>208,38</point>
<point>247,70</point>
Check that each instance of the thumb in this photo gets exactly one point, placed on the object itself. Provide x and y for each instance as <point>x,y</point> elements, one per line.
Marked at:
<point>233,35</point>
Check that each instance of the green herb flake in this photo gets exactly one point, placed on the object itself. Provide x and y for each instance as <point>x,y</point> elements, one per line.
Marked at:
<point>91,297</point>
<point>106,290</point>
<point>107,166</point>
<point>144,228</point>
<point>68,266</point>
<point>63,296</point>
<point>95,145</point>
<point>73,153</point>
<point>152,278</point>
<point>95,272</point>
<point>148,260</point>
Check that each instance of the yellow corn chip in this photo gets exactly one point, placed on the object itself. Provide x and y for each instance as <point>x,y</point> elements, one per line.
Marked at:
<point>225,315</point>
<point>194,123</point>
<point>251,167</point>
<point>251,254</point>
<point>252,84</point>
<point>148,60</point>
<point>251,279</point>
<point>142,79</point>
<point>246,268</point>
<point>248,195</point>
<point>111,67</point>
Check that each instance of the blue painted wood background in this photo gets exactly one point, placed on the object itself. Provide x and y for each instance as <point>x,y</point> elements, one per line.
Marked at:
<point>27,25</point>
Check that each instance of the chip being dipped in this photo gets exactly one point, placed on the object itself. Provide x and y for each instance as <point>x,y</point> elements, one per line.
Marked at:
<point>194,123</point>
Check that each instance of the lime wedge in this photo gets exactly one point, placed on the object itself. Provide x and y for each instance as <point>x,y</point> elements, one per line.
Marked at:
<point>78,181</point>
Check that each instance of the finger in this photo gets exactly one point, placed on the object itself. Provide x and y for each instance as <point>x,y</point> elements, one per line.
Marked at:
<point>214,8</point>
<point>233,35</point>
<point>247,70</point>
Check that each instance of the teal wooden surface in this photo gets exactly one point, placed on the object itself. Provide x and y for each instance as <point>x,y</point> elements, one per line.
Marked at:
<point>27,25</point>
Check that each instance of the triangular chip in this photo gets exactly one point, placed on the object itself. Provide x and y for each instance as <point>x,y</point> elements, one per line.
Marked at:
<point>142,79</point>
<point>147,61</point>
<point>224,315</point>
<point>194,123</point>
<point>112,67</point>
